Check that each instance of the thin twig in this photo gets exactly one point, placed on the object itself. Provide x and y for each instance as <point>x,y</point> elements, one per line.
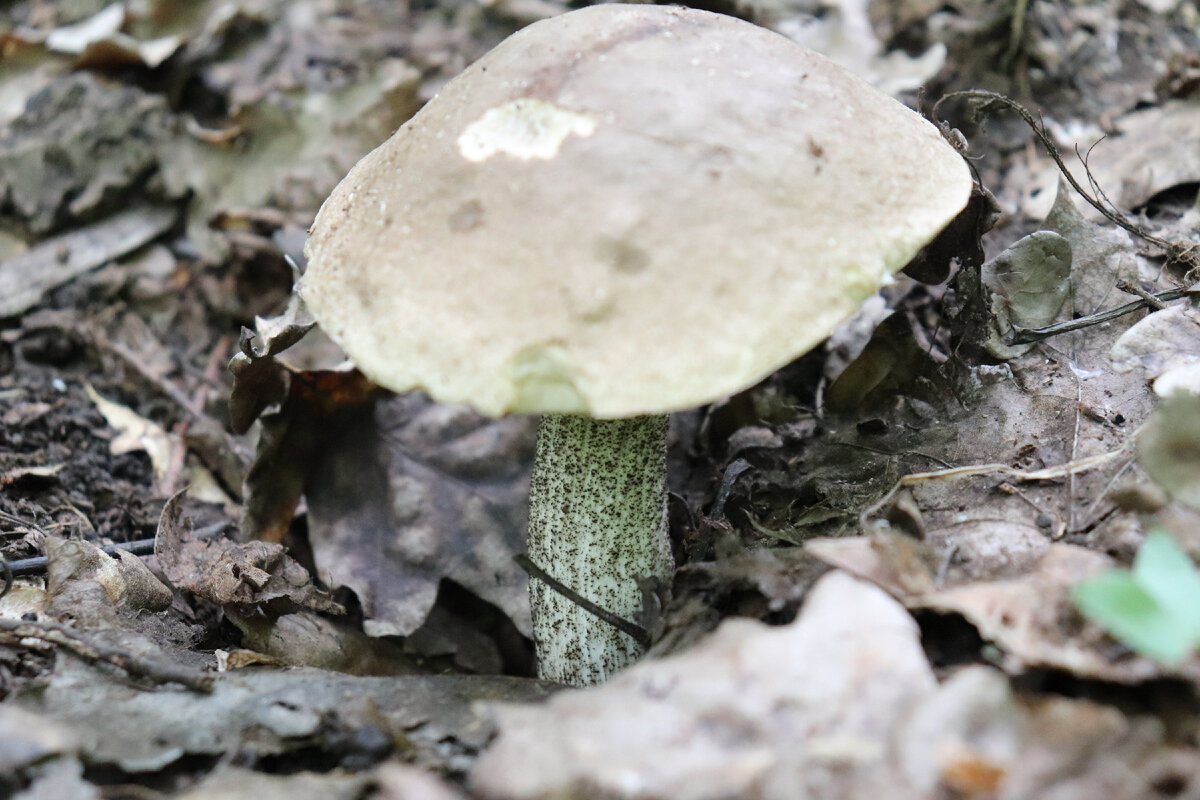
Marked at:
<point>1129,287</point>
<point>1029,335</point>
<point>36,565</point>
<point>977,470</point>
<point>77,643</point>
<point>639,634</point>
<point>1178,251</point>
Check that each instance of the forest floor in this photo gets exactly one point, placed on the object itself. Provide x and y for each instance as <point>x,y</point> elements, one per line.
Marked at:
<point>880,547</point>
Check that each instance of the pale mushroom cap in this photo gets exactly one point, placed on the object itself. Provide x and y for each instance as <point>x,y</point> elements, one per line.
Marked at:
<point>624,210</point>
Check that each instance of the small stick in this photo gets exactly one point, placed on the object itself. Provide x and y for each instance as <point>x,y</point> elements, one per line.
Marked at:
<point>1030,335</point>
<point>639,634</point>
<point>162,672</point>
<point>1147,298</point>
<point>141,547</point>
<point>1183,251</point>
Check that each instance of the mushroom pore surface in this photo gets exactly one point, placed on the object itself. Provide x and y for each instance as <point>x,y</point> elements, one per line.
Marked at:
<point>624,210</point>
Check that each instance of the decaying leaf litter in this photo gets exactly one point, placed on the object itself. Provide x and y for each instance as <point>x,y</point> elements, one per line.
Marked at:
<point>161,159</point>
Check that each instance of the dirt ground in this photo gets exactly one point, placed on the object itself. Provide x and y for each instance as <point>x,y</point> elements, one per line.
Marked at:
<point>238,568</point>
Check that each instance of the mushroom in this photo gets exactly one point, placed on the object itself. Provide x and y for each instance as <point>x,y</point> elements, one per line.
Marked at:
<point>617,213</point>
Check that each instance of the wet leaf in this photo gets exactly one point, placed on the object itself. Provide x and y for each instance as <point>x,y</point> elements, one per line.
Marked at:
<point>1030,282</point>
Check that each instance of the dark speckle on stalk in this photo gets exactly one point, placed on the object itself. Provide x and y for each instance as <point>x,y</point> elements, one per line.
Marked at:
<point>587,528</point>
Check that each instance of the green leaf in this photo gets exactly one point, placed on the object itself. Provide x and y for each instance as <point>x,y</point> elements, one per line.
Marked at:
<point>1168,575</point>
<point>1153,609</point>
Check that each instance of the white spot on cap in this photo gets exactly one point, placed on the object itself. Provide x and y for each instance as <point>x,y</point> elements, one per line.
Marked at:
<point>526,128</point>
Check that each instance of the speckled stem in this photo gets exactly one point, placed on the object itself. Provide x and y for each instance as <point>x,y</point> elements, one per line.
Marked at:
<point>597,522</point>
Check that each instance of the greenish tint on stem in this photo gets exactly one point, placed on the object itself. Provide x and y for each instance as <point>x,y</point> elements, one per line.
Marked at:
<point>597,523</point>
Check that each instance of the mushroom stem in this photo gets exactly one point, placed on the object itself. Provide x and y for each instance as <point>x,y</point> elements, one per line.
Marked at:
<point>597,523</point>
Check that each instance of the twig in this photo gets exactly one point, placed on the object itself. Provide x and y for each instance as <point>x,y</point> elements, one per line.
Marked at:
<point>140,547</point>
<point>1132,288</point>
<point>1029,335</point>
<point>639,634</point>
<point>161,672</point>
<point>976,470</point>
<point>1185,252</point>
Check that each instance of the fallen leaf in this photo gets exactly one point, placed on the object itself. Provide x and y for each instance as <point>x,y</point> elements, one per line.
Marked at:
<point>1152,152</point>
<point>229,782</point>
<point>229,573</point>
<point>267,712</point>
<point>1160,342</point>
<point>27,738</point>
<point>416,493</point>
<point>806,709</point>
<point>1035,623</point>
<point>1030,283</point>
<point>75,38</point>
<point>59,162</point>
<point>136,433</point>
<point>76,567</point>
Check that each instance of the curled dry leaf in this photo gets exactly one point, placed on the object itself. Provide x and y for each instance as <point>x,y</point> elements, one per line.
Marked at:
<point>260,380</point>
<point>135,432</point>
<point>77,569</point>
<point>231,574</point>
<point>307,639</point>
<point>1153,152</point>
<point>1028,614</point>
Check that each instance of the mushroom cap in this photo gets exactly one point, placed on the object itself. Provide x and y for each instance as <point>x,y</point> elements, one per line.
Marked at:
<point>624,210</point>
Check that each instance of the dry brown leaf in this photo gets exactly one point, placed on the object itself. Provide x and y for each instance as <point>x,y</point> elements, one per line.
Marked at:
<point>1160,342</point>
<point>231,574</point>
<point>418,493</point>
<point>83,579</point>
<point>1154,151</point>
<point>1034,621</point>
